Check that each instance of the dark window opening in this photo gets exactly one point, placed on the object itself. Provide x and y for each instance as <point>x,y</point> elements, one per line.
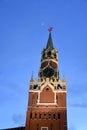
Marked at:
<point>51,126</point>
<point>41,80</point>
<point>53,79</point>
<point>59,86</point>
<point>54,55</point>
<point>49,53</point>
<point>35,115</point>
<point>44,128</point>
<point>56,96</point>
<point>49,116</point>
<point>43,55</point>
<point>58,115</point>
<point>44,116</point>
<point>39,115</point>
<point>30,115</point>
<point>54,116</point>
<point>35,86</point>
<point>47,89</point>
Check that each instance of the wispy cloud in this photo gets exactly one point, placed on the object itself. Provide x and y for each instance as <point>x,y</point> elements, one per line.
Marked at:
<point>81,105</point>
<point>18,119</point>
<point>72,127</point>
<point>77,89</point>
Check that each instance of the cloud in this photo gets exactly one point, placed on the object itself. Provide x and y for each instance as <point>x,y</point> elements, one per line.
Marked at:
<point>42,24</point>
<point>18,119</point>
<point>77,89</point>
<point>72,127</point>
<point>81,105</point>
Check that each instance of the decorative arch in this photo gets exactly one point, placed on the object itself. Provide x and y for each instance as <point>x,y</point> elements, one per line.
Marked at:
<point>47,95</point>
<point>47,84</point>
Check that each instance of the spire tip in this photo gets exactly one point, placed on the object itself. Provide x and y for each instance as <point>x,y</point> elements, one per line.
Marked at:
<point>50,29</point>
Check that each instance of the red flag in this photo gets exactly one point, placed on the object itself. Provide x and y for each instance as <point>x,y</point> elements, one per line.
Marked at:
<point>50,29</point>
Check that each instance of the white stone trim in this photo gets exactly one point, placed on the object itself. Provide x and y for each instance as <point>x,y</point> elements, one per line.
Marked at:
<point>54,91</point>
<point>47,84</point>
<point>57,91</point>
<point>50,60</point>
<point>46,103</point>
<point>55,97</point>
<point>38,97</point>
<point>34,91</point>
<point>46,107</point>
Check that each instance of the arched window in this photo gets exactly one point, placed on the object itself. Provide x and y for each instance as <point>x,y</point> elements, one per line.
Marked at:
<point>35,115</point>
<point>58,115</point>
<point>54,55</point>
<point>44,116</point>
<point>51,126</point>
<point>54,116</point>
<point>30,115</point>
<point>40,115</point>
<point>47,89</point>
<point>49,115</point>
<point>37,126</point>
<point>49,53</point>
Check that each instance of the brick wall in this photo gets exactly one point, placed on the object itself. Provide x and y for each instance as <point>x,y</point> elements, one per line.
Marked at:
<point>47,95</point>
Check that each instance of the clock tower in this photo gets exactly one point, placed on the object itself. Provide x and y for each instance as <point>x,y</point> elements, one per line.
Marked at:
<point>47,108</point>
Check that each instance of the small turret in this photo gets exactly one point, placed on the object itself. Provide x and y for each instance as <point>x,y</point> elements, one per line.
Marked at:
<point>32,77</point>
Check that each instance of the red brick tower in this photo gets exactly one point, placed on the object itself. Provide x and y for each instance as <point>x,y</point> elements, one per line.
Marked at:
<point>47,96</point>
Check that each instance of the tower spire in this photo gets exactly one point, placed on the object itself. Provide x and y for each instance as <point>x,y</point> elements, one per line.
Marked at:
<point>50,42</point>
<point>47,95</point>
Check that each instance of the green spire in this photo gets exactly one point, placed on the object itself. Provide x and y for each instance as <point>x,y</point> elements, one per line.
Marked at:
<point>49,42</point>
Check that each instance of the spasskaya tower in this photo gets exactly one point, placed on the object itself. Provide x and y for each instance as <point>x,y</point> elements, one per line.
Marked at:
<point>47,108</point>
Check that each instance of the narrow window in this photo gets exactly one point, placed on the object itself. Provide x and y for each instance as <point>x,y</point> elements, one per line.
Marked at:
<point>49,53</point>
<point>47,89</point>
<point>41,80</point>
<point>30,115</point>
<point>51,126</point>
<point>58,115</point>
<point>35,115</point>
<point>54,116</point>
<point>44,116</point>
<point>54,55</point>
<point>49,116</point>
<point>39,115</point>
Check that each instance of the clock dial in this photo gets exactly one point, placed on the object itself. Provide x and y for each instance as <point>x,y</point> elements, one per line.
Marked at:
<point>48,72</point>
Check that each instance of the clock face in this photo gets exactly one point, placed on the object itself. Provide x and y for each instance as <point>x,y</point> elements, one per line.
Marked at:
<point>48,72</point>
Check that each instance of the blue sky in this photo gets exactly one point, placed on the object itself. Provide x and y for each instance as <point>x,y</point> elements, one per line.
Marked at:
<point>23,35</point>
